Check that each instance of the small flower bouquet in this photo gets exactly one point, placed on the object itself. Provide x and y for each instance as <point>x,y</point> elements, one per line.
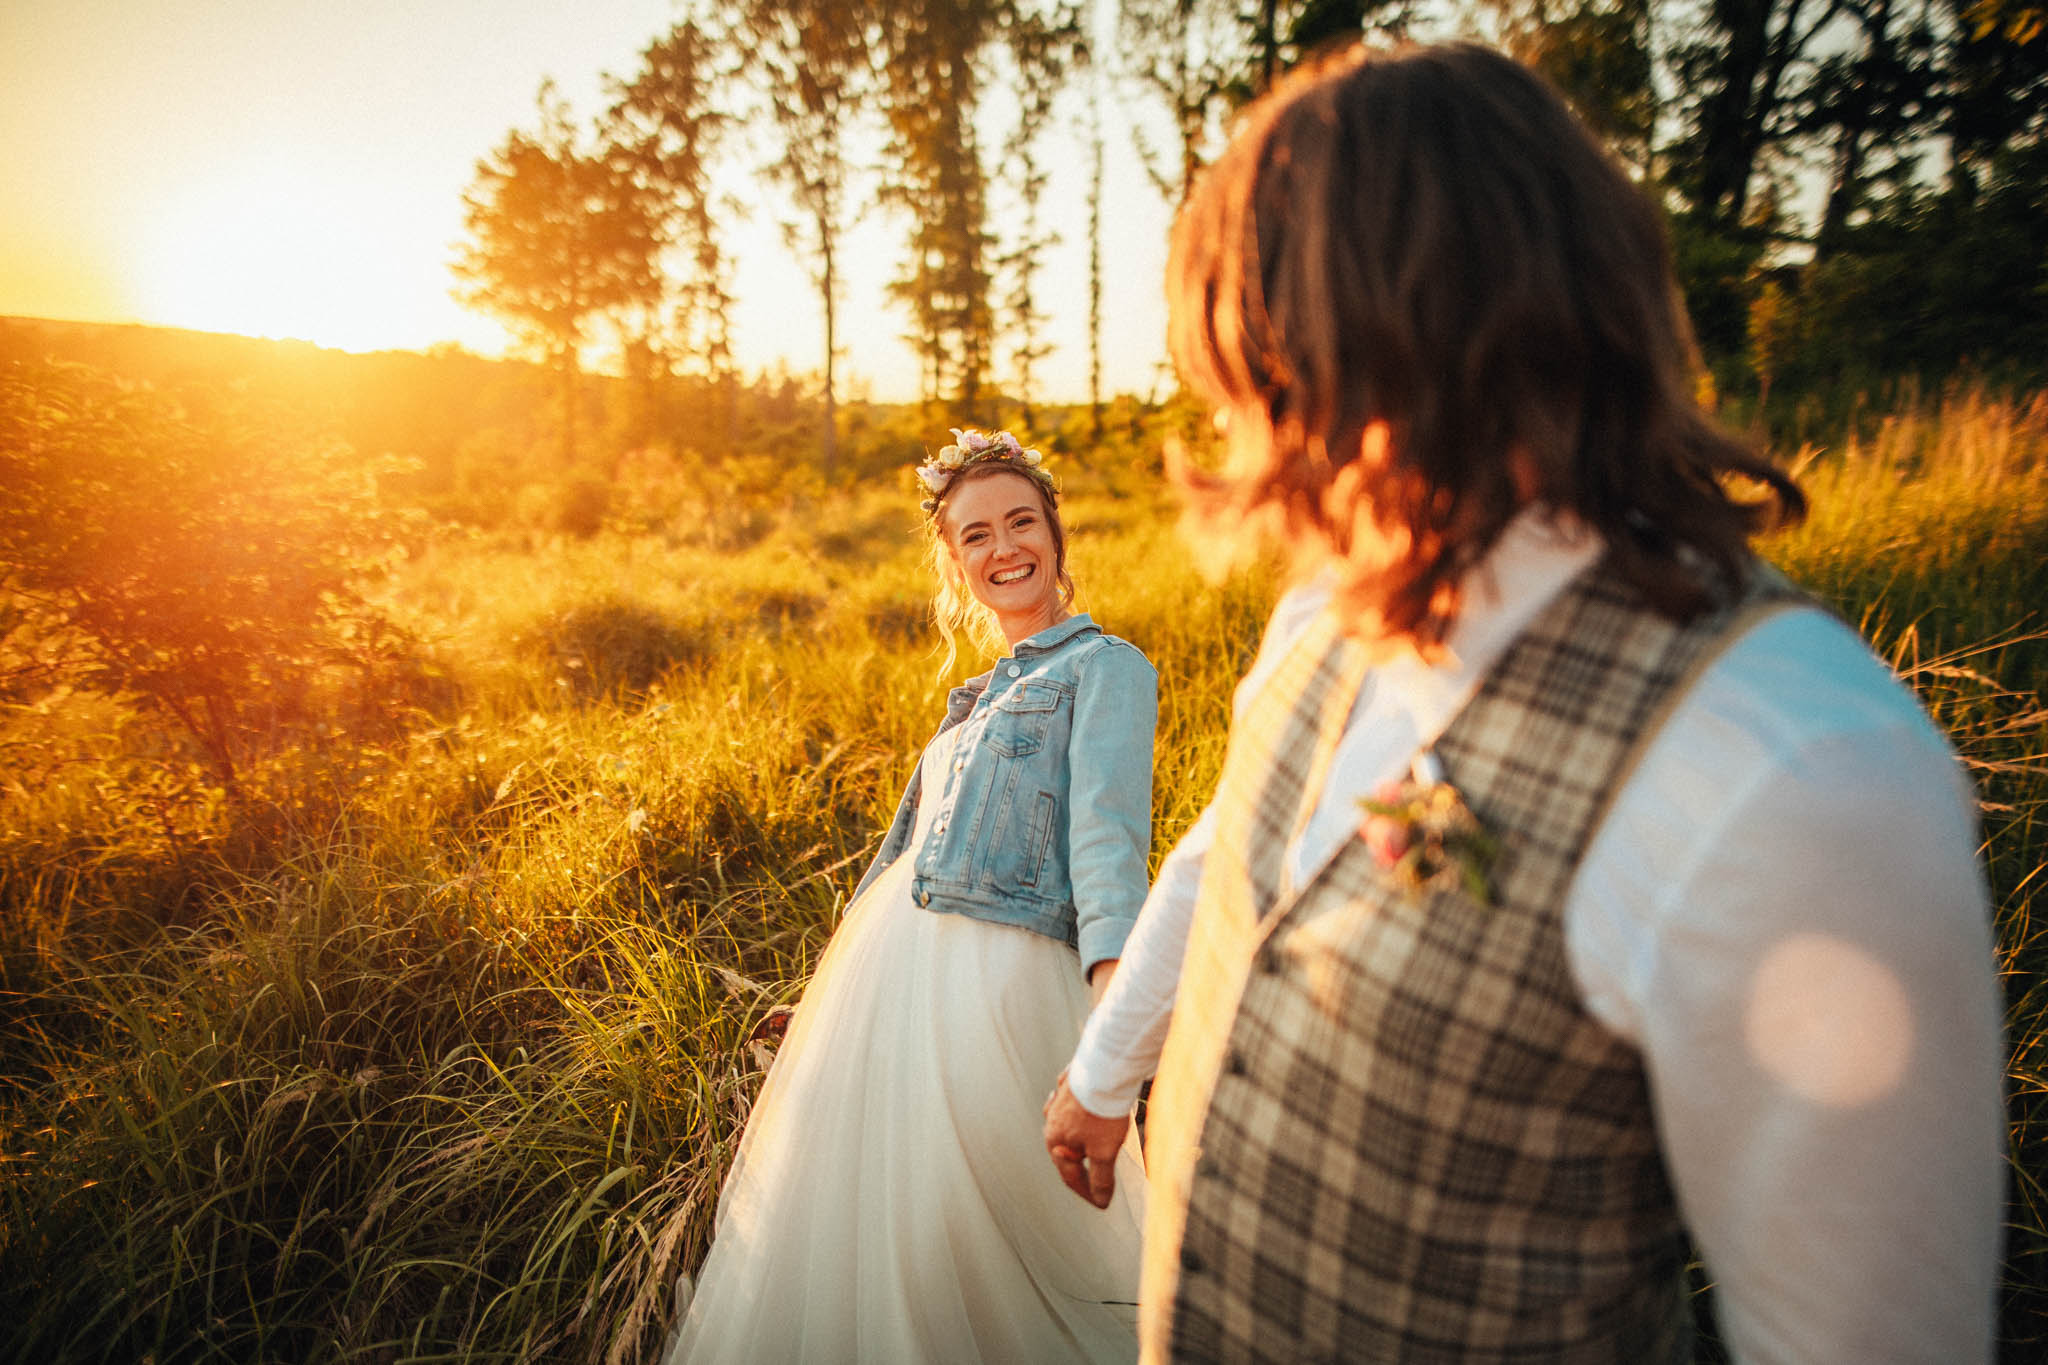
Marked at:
<point>1421,831</point>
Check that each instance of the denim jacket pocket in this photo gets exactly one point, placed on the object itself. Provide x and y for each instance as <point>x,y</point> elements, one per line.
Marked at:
<point>1044,811</point>
<point>1020,719</point>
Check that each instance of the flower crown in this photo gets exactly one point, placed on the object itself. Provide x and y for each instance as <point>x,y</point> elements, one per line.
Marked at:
<point>972,447</point>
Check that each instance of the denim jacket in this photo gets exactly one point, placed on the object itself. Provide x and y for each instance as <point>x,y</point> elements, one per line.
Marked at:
<point>1046,818</point>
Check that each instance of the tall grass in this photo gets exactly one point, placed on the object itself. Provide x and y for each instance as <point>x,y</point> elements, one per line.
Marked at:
<point>1931,534</point>
<point>450,1063</point>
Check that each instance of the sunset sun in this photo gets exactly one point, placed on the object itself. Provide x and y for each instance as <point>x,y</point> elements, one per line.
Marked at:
<point>275,250</point>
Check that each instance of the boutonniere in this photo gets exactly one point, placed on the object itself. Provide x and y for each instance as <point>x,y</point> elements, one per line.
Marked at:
<point>1420,830</point>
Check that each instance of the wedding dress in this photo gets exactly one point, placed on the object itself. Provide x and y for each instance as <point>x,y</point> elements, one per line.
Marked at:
<point>892,1200</point>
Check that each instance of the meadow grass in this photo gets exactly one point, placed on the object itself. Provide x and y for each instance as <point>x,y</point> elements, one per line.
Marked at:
<point>446,1061</point>
<point>1931,535</point>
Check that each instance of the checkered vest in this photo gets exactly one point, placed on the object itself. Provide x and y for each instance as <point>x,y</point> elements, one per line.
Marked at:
<point>1385,1128</point>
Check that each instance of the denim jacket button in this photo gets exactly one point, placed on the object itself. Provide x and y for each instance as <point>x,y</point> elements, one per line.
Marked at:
<point>1013,670</point>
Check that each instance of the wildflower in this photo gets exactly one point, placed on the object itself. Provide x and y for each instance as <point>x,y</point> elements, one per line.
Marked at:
<point>1421,832</point>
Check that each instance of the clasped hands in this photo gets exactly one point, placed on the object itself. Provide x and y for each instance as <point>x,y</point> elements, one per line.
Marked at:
<point>1083,1146</point>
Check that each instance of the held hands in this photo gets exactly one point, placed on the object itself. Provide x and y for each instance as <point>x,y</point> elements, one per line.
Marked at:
<point>1083,1145</point>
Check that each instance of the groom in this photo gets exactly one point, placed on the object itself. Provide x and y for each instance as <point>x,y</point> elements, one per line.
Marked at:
<point>1575,895</point>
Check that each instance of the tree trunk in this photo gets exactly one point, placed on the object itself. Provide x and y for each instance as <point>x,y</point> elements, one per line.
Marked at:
<point>1727,146</point>
<point>830,288</point>
<point>1267,39</point>
<point>569,386</point>
<point>1095,267</point>
<point>1853,143</point>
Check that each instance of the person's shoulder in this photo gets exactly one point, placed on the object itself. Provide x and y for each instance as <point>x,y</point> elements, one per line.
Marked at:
<point>1802,676</point>
<point>1798,702</point>
<point>1105,655</point>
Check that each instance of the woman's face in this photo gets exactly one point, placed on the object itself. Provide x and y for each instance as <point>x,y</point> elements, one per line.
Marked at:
<point>1003,546</point>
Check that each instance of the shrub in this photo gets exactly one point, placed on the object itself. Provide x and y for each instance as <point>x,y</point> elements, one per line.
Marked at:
<point>198,557</point>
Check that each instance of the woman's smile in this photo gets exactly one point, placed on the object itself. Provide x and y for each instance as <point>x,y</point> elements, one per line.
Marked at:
<point>1002,542</point>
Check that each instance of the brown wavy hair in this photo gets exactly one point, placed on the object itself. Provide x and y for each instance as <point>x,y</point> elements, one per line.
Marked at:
<point>1431,240</point>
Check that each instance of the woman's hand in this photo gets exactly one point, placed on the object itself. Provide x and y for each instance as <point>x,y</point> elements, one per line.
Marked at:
<point>1083,1145</point>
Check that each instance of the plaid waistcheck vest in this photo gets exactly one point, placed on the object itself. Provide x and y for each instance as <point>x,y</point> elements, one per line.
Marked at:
<point>1384,1126</point>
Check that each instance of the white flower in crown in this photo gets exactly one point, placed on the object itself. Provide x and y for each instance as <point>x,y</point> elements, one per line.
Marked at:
<point>974,446</point>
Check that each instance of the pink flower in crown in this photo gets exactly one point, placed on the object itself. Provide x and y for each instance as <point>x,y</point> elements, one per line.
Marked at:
<point>1419,830</point>
<point>973,441</point>
<point>974,446</point>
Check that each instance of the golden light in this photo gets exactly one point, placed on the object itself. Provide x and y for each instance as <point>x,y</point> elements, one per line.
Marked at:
<point>274,249</point>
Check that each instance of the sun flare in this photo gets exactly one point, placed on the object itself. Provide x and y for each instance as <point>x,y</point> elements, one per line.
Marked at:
<point>277,250</point>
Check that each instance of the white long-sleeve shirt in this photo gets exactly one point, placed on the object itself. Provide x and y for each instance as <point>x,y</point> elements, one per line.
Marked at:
<point>1783,911</point>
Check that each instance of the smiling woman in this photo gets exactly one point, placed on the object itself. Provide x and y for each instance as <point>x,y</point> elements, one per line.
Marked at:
<point>927,1227</point>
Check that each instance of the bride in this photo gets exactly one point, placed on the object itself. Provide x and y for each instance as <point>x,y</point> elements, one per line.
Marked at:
<point>890,1199</point>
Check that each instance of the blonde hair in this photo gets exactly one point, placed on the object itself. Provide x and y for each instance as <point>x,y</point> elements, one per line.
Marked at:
<point>955,610</point>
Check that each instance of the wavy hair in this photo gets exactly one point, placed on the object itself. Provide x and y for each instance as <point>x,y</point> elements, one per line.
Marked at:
<point>955,610</point>
<point>1429,239</point>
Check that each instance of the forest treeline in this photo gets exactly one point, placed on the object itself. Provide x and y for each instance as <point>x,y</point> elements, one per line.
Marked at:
<point>1858,189</point>
<point>191,519</point>
<point>1857,192</point>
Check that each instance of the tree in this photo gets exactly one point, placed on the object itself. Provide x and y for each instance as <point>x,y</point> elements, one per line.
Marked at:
<point>668,124</point>
<point>1185,53</point>
<point>1736,72</point>
<point>812,62</point>
<point>1869,102</point>
<point>1202,58</point>
<point>1996,80</point>
<point>932,93</point>
<point>1095,150</point>
<point>559,236</point>
<point>1598,54</point>
<point>937,62</point>
<point>201,557</point>
<point>1040,58</point>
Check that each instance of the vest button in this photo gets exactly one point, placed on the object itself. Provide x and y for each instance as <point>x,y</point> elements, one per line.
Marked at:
<point>1269,960</point>
<point>1234,1063</point>
<point>1190,1260</point>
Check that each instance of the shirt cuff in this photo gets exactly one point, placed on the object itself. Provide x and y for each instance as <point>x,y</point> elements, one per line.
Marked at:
<point>1103,1101</point>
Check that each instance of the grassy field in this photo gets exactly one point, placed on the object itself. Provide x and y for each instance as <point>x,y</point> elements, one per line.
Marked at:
<point>439,1051</point>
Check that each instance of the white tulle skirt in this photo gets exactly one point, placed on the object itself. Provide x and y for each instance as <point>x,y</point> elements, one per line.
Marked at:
<point>892,1200</point>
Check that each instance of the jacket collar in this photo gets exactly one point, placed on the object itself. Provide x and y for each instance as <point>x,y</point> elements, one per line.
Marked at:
<point>1052,637</point>
<point>961,699</point>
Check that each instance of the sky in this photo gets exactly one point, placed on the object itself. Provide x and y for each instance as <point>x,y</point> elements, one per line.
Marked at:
<point>287,168</point>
